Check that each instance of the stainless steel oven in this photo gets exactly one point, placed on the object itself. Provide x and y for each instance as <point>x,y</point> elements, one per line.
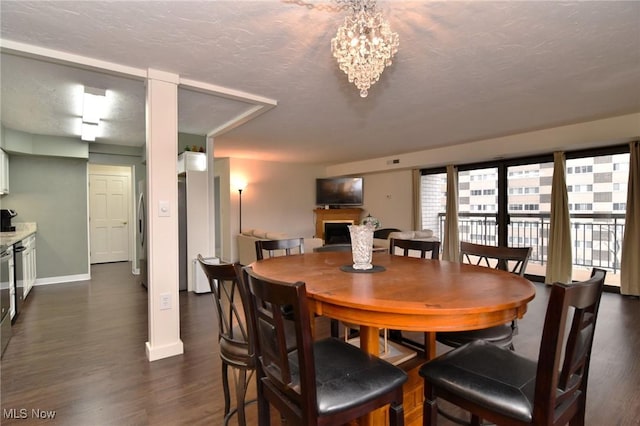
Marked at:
<point>6,283</point>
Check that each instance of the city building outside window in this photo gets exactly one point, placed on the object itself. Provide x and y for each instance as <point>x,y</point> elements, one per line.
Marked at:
<point>596,187</point>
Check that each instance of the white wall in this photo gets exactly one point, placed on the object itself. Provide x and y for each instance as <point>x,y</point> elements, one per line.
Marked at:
<point>387,196</point>
<point>221,170</point>
<point>279,197</point>
<point>592,134</point>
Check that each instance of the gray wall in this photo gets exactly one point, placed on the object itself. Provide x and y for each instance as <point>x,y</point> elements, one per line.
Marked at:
<point>14,141</point>
<point>49,186</point>
<point>52,191</point>
<point>115,155</point>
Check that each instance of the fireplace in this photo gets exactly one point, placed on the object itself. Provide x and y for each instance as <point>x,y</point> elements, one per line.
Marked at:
<point>337,232</point>
<point>343,216</point>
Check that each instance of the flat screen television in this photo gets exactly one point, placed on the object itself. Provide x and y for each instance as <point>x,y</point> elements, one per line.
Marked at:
<point>339,192</point>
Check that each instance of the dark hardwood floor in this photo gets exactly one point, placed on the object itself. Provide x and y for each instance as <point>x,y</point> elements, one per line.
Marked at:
<point>78,352</point>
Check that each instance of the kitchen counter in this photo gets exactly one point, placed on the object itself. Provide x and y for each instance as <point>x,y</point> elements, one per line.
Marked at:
<point>23,230</point>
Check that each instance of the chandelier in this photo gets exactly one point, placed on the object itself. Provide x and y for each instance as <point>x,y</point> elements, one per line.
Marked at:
<point>364,44</point>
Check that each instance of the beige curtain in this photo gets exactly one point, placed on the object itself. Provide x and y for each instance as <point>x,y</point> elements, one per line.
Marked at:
<point>417,199</point>
<point>559,252</point>
<point>630,262</point>
<point>451,244</point>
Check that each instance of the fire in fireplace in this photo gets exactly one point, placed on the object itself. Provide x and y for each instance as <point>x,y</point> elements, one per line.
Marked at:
<point>337,232</point>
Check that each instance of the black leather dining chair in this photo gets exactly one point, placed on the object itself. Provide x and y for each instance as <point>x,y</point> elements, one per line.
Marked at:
<point>270,248</point>
<point>424,250</point>
<point>266,249</point>
<point>503,387</point>
<point>510,259</point>
<point>322,382</point>
<point>351,330</point>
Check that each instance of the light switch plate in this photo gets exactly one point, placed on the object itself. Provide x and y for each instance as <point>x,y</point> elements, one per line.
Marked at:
<point>165,301</point>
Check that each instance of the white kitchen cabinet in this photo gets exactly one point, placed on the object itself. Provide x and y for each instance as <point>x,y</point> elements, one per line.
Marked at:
<point>29,263</point>
<point>4,173</point>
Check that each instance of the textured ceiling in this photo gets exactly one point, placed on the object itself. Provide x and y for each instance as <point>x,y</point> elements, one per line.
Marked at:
<point>465,71</point>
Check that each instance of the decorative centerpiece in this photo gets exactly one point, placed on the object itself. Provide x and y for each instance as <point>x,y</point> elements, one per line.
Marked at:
<point>362,242</point>
<point>371,221</point>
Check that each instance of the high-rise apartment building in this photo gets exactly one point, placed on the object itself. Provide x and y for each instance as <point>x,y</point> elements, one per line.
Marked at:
<point>597,193</point>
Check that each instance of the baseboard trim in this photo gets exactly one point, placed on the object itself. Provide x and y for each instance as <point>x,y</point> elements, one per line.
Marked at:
<point>160,352</point>
<point>62,279</point>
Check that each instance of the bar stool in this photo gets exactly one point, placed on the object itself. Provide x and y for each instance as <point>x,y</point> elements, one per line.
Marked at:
<point>234,334</point>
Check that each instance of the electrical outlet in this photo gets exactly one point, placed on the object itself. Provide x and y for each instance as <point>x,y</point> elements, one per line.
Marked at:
<point>165,301</point>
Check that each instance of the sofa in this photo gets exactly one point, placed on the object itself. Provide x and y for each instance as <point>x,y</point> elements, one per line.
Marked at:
<point>246,242</point>
<point>381,237</point>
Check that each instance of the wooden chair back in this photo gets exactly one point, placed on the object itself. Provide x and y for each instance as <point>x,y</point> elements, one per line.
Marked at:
<point>563,361</point>
<point>324,382</point>
<point>232,303</point>
<point>432,248</point>
<point>407,248</point>
<point>511,259</point>
<point>272,248</point>
<point>289,366</point>
<point>235,334</point>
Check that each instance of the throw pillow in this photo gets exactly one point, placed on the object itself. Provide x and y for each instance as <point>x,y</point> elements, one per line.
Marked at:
<point>404,235</point>
<point>425,233</point>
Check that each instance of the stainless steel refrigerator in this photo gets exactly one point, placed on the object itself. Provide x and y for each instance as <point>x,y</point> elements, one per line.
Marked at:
<point>141,229</point>
<point>182,233</point>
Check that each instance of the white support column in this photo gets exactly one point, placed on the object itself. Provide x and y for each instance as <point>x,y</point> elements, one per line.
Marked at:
<point>162,195</point>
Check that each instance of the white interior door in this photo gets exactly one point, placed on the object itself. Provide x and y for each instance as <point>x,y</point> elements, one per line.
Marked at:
<point>109,217</point>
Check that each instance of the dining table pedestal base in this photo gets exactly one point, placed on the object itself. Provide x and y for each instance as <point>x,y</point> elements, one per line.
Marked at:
<point>413,389</point>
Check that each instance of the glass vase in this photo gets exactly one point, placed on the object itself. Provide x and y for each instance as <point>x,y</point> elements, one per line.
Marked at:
<point>361,246</point>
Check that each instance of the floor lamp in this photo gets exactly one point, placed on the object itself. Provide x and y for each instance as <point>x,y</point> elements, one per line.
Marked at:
<point>240,209</point>
<point>240,184</point>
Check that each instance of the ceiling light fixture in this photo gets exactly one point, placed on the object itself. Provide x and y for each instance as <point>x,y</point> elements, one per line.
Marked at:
<point>364,44</point>
<point>89,132</point>
<point>93,105</point>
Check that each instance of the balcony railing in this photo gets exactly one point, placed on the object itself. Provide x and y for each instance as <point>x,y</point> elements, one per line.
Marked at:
<point>597,238</point>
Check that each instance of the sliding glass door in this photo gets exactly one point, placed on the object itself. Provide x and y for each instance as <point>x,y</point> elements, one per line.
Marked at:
<point>597,194</point>
<point>433,199</point>
<point>478,205</point>
<point>528,206</point>
<point>508,203</point>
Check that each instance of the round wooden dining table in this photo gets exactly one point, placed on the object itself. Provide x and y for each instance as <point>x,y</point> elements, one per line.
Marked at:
<point>405,294</point>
